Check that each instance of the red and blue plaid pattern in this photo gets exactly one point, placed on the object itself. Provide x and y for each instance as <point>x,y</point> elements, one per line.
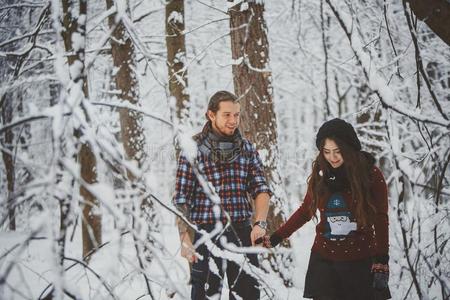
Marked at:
<point>232,182</point>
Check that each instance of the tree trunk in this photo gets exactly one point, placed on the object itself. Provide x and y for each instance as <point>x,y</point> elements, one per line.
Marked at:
<point>16,20</point>
<point>7,114</point>
<point>252,83</point>
<point>176,55</point>
<point>176,58</point>
<point>123,55</point>
<point>436,14</point>
<point>73,25</point>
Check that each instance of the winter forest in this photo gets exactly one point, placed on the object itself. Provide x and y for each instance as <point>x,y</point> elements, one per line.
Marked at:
<point>98,97</point>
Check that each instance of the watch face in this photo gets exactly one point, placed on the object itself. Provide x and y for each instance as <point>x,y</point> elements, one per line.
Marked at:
<point>262,224</point>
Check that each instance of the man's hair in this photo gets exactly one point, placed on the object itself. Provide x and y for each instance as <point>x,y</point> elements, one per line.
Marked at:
<point>220,96</point>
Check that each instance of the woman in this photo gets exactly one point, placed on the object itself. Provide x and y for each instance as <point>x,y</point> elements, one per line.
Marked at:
<point>349,257</point>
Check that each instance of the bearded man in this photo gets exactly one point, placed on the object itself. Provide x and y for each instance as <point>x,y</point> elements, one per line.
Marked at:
<point>232,166</point>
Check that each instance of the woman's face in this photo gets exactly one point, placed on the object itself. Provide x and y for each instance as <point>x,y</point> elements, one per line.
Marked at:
<point>332,153</point>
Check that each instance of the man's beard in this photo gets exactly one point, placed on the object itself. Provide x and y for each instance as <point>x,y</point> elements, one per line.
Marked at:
<point>221,132</point>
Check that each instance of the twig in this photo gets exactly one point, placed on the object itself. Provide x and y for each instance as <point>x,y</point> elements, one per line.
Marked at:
<point>400,215</point>
<point>141,264</point>
<point>24,36</point>
<point>325,52</point>
<point>89,254</point>
<point>134,108</point>
<point>212,7</point>
<point>95,274</point>
<point>376,83</point>
<point>138,19</point>
<point>390,37</point>
<point>419,61</point>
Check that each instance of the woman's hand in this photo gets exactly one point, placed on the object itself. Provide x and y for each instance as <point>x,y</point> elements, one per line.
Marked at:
<point>269,241</point>
<point>380,270</point>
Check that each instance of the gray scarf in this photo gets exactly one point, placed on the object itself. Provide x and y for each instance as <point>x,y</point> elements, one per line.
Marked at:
<point>224,149</point>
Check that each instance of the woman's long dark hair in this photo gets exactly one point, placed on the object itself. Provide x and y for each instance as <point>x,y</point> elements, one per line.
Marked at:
<point>358,167</point>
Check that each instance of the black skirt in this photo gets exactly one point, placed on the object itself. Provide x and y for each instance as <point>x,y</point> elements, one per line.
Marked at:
<point>341,280</point>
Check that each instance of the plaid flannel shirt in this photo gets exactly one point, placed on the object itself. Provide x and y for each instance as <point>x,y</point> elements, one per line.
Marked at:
<point>231,181</point>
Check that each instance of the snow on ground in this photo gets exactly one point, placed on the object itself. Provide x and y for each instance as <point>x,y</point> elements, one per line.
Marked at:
<point>116,263</point>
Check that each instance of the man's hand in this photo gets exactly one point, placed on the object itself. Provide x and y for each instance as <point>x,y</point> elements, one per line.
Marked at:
<point>257,232</point>
<point>261,210</point>
<point>187,249</point>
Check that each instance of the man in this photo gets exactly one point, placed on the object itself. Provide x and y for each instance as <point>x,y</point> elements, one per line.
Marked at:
<point>232,166</point>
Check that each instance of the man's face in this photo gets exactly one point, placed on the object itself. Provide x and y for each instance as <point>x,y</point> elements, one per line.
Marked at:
<point>226,120</point>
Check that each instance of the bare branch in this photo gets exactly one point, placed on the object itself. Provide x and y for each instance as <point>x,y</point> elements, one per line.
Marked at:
<point>420,63</point>
<point>375,81</point>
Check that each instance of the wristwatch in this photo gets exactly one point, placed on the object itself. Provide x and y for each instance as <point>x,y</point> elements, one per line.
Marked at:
<point>262,224</point>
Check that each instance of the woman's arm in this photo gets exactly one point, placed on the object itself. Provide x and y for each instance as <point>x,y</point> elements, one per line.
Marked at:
<point>297,219</point>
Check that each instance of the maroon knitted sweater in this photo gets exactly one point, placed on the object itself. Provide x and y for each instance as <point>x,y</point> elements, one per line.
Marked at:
<point>338,237</point>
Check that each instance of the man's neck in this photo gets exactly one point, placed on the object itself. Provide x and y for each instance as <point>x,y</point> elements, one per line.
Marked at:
<point>220,134</point>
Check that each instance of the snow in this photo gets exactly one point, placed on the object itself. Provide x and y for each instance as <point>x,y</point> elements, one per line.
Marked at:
<point>78,41</point>
<point>366,79</point>
<point>189,146</point>
<point>175,17</point>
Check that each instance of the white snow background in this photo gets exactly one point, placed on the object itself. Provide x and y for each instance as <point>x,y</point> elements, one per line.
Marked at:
<point>364,79</point>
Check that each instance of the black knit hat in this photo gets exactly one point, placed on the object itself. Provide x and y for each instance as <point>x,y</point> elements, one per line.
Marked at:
<point>339,129</point>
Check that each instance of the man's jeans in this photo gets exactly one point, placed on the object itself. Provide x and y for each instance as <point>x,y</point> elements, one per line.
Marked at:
<point>207,274</point>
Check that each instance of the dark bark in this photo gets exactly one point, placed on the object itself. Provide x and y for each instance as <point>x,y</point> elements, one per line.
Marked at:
<point>132,134</point>
<point>8,110</point>
<point>252,83</point>
<point>436,14</point>
<point>8,138</point>
<point>91,225</point>
<point>324,28</point>
<point>123,54</point>
<point>176,58</point>
<point>176,54</point>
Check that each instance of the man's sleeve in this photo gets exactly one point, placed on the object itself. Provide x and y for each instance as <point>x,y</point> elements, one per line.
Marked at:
<point>185,182</point>
<point>257,182</point>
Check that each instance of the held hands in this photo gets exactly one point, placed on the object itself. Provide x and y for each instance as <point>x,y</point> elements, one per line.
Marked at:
<point>380,270</point>
<point>257,233</point>
<point>269,241</point>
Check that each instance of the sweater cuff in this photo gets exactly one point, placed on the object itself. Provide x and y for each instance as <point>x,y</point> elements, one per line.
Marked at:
<point>381,259</point>
<point>275,239</point>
